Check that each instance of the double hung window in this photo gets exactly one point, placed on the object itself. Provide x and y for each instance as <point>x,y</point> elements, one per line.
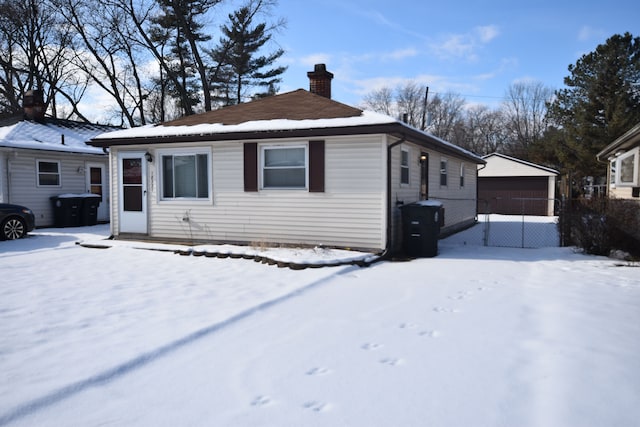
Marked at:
<point>628,168</point>
<point>284,167</point>
<point>404,166</point>
<point>443,172</point>
<point>48,173</point>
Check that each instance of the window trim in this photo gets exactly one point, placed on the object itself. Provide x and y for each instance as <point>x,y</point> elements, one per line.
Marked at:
<point>261,166</point>
<point>444,172</point>
<point>635,154</point>
<point>405,167</point>
<point>38,173</point>
<point>160,154</point>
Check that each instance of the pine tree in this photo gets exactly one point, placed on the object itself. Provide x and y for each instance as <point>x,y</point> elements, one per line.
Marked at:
<point>179,28</point>
<point>600,103</point>
<point>239,66</point>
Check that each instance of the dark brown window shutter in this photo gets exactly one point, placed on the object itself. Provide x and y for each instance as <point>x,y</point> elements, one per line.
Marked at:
<point>251,166</point>
<point>316,166</point>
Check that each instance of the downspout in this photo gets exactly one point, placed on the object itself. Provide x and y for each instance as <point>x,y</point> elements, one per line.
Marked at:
<point>387,249</point>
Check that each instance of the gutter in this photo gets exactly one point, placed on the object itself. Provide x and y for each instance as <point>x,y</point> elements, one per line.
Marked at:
<point>388,248</point>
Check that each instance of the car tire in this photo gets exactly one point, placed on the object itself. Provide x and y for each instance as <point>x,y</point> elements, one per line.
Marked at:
<point>13,228</point>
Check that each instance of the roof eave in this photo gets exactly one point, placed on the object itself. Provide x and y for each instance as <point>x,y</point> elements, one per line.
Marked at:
<point>630,137</point>
<point>392,128</point>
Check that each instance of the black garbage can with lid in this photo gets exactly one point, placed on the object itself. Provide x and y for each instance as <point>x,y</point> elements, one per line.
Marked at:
<point>421,228</point>
<point>89,209</point>
<point>66,210</point>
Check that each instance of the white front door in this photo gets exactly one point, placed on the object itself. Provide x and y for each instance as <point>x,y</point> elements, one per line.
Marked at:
<point>132,200</point>
<point>96,184</point>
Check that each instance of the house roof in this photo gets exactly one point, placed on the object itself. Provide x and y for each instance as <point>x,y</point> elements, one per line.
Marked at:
<point>524,168</point>
<point>630,139</point>
<point>50,134</point>
<point>308,106</point>
<point>296,114</point>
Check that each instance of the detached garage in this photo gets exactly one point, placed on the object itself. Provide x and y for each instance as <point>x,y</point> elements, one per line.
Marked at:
<point>511,186</point>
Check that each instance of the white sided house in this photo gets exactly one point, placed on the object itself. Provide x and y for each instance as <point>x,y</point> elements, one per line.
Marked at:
<point>43,157</point>
<point>623,156</point>
<point>296,168</point>
<point>511,186</point>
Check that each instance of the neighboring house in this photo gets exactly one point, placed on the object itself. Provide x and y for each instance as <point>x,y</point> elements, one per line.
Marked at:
<point>295,168</point>
<point>511,186</point>
<point>623,157</point>
<point>41,157</point>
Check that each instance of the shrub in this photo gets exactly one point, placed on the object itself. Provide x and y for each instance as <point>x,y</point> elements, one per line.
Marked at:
<point>601,225</point>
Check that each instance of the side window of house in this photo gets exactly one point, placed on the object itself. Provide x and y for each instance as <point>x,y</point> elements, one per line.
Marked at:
<point>48,173</point>
<point>185,176</point>
<point>461,175</point>
<point>404,166</point>
<point>443,172</point>
<point>284,166</point>
<point>628,168</point>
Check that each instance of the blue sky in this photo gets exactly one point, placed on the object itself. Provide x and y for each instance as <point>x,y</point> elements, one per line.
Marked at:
<point>476,49</point>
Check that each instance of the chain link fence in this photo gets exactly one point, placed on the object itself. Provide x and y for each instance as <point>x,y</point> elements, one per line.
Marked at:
<point>517,223</point>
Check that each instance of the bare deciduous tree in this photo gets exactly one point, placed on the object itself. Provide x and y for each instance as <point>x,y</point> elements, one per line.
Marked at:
<point>34,45</point>
<point>524,111</point>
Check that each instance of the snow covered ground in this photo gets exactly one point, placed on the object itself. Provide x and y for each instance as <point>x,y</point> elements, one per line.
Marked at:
<point>476,336</point>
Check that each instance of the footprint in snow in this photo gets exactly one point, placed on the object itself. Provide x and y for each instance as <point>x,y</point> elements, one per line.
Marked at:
<point>318,371</point>
<point>371,346</point>
<point>445,310</point>
<point>431,334</point>
<point>392,361</point>
<point>407,326</point>
<point>261,401</point>
<point>316,406</point>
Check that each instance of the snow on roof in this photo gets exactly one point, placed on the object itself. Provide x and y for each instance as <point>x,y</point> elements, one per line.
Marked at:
<point>52,135</point>
<point>366,118</point>
<point>299,110</point>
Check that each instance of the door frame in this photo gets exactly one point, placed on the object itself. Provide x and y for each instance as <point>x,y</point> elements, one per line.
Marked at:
<point>132,221</point>
<point>103,207</point>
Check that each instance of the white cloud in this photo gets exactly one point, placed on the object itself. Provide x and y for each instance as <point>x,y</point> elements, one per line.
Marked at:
<point>587,33</point>
<point>464,45</point>
<point>487,33</point>
<point>316,58</point>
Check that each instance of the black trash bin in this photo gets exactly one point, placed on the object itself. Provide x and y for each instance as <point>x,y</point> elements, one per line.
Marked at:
<point>421,228</point>
<point>89,209</point>
<point>66,210</point>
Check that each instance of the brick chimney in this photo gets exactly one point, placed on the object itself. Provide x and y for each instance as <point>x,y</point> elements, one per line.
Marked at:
<point>320,81</point>
<point>33,104</point>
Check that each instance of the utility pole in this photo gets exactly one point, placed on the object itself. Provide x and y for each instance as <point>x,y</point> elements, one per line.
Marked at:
<point>424,109</point>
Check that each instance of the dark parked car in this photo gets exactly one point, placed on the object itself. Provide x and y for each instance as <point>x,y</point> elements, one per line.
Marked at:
<point>15,221</point>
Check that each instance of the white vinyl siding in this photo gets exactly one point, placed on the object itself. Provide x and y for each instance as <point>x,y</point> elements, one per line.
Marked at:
<point>23,188</point>
<point>350,213</point>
